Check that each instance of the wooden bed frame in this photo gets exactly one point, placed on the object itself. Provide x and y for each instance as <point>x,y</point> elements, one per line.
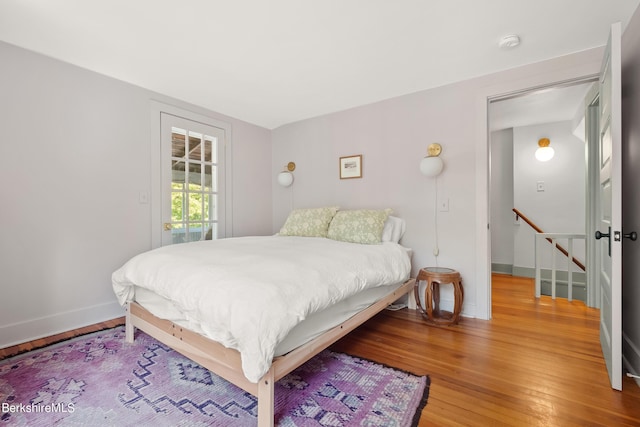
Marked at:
<point>226,362</point>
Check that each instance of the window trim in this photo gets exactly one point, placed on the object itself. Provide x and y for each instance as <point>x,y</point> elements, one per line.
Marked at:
<point>155,111</point>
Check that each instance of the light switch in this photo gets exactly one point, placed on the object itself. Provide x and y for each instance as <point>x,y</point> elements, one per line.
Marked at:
<point>540,185</point>
<point>143,197</point>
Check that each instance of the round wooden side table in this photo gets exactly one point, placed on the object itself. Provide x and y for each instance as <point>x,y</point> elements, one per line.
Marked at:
<point>435,276</point>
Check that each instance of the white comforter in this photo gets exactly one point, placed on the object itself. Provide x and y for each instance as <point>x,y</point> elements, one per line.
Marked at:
<point>247,293</point>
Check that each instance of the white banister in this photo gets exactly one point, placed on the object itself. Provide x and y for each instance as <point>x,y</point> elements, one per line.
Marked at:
<point>570,272</point>
<point>538,244</point>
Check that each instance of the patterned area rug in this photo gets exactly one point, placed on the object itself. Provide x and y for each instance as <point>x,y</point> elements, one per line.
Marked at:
<point>99,380</point>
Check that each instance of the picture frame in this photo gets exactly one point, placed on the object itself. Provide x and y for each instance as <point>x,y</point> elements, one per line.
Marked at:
<point>351,167</point>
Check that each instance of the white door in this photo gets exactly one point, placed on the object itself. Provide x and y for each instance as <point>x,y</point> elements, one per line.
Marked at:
<point>193,180</point>
<point>609,218</point>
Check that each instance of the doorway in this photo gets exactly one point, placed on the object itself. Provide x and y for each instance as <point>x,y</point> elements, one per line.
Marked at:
<point>552,194</point>
<point>193,180</point>
<point>214,128</point>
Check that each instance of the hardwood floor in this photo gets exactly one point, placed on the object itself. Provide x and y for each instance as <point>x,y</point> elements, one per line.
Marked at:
<point>536,363</point>
<point>32,345</point>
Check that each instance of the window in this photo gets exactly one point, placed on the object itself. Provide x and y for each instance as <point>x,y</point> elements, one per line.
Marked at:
<point>194,186</point>
<point>193,180</point>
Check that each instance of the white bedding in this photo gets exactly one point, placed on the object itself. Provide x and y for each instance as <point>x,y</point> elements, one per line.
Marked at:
<point>311,327</point>
<point>247,293</point>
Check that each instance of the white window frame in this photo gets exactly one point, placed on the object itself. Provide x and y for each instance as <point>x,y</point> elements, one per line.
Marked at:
<point>156,109</point>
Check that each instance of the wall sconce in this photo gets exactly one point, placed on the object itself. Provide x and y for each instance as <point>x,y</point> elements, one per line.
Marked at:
<point>285,178</point>
<point>432,165</point>
<point>544,152</point>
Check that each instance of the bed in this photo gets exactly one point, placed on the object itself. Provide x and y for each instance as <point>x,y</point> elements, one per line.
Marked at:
<point>252,309</point>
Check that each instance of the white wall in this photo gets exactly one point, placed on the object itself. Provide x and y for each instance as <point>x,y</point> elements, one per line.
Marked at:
<point>630,199</point>
<point>393,136</point>
<point>63,126</point>
<point>560,208</point>
<point>76,151</point>
<point>502,216</point>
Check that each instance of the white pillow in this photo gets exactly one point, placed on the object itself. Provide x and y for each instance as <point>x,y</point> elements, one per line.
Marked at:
<point>393,229</point>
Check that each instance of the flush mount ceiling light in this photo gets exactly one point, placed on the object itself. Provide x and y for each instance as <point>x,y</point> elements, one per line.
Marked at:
<point>509,42</point>
<point>544,152</point>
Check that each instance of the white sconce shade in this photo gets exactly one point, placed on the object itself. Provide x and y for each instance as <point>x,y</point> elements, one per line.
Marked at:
<point>285,178</point>
<point>432,165</point>
<point>544,152</point>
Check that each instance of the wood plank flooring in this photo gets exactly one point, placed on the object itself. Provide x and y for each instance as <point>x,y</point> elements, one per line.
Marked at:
<point>43,342</point>
<point>536,363</point>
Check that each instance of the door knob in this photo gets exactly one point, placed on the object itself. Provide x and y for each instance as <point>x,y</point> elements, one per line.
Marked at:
<point>600,235</point>
<point>633,236</point>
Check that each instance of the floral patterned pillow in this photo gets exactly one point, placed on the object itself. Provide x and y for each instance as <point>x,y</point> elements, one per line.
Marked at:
<point>358,226</point>
<point>312,222</point>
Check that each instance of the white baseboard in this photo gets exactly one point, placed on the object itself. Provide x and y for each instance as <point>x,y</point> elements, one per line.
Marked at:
<point>411,300</point>
<point>18,333</point>
<point>631,356</point>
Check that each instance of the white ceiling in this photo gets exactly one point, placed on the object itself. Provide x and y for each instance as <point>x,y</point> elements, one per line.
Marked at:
<point>542,106</point>
<point>272,62</point>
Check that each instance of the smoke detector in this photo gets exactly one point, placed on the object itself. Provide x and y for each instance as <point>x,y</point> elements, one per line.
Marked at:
<point>509,42</point>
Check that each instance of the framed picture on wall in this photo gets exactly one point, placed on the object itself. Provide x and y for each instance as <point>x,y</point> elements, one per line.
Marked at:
<point>351,167</point>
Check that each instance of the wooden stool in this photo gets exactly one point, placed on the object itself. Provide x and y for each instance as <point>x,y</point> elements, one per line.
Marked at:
<point>435,276</point>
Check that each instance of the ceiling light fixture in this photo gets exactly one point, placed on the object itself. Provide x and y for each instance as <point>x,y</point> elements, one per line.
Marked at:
<point>544,152</point>
<point>509,42</point>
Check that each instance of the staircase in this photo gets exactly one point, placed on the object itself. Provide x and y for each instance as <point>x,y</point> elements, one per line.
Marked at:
<point>570,284</point>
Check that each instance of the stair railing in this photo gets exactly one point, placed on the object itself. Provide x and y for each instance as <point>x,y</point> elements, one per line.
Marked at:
<point>552,238</point>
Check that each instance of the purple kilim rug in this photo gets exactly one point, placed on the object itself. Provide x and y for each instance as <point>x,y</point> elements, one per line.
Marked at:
<point>99,380</point>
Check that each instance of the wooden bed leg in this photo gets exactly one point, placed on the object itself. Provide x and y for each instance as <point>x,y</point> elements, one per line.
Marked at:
<point>128,328</point>
<point>265,400</point>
